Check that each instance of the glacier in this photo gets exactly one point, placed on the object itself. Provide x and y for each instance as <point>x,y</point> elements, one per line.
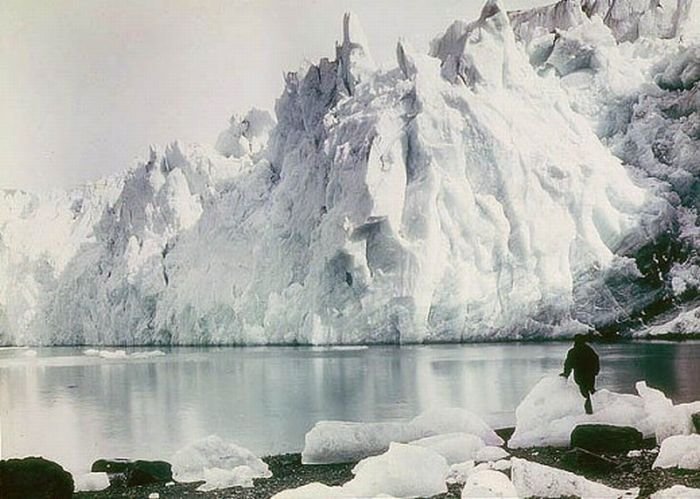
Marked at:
<point>532,176</point>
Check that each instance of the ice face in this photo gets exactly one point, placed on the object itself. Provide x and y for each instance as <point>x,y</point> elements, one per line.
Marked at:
<point>464,195</point>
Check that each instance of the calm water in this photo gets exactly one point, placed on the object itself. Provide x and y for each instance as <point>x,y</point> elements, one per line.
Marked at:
<point>75,408</point>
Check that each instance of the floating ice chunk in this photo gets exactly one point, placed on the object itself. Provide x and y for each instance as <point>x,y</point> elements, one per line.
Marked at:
<point>314,490</point>
<point>220,464</point>
<point>534,479</point>
<point>91,482</point>
<point>454,447</point>
<point>677,492</point>
<point>488,483</point>
<point>634,453</point>
<point>121,354</point>
<point>666,419</point>
<point>459,472</point>
<point>679,451</point>
<point>340,442</point>
<point>554,407</point>
<point>112,354</point>
<point>29,353</point>
<point>491,453</point>
<point>147,354</point>
<point>402,471</point>
<point>454,420</point>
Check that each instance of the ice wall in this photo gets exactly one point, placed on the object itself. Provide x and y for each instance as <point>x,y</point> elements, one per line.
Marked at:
<point>466,194</point>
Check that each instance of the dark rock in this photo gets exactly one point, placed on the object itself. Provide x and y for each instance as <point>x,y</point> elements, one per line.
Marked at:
<point>118,465</point>
<point>34,478</point>
<point>696,421</point>
<point>580,460</point>
<point>606,438</point>
<point>125,472</point>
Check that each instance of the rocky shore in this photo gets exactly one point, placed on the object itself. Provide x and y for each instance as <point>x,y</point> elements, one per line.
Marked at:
<point>622,469</point>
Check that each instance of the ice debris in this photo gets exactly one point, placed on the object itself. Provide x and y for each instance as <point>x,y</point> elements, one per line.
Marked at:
<point>488,483</point>
<point>338,441</point>
<point>679,451</point>
<point>88,482</point>
<point>534,479</point>
<point>677,492</point>
<point>218,463</point>
<point>402,471</point>
<point>454,447</point>
<point>552,409</point>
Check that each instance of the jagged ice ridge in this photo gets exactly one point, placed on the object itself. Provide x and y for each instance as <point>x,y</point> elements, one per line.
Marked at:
<point>532,176</point>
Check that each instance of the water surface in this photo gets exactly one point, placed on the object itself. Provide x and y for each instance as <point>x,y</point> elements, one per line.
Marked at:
<point>75,408</point>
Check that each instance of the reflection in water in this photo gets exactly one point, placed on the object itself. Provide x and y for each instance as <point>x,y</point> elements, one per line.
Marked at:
<point>74,408</point>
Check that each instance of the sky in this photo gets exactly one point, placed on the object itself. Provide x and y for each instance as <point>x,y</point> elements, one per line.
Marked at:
<point>87,85</point>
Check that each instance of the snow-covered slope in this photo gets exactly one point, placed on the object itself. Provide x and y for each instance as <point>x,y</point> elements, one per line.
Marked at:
<point>475,192</point>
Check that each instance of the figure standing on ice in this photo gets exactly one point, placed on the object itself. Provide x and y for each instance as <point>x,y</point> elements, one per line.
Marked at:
<point>583,360</point>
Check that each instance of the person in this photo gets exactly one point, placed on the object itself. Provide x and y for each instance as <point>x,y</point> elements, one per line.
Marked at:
<point>584,362</point>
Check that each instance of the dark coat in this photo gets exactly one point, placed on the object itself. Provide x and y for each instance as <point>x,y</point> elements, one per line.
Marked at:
<point>583,360</point>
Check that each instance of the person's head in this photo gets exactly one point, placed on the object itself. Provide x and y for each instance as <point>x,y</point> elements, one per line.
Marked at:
<point>580,340</point>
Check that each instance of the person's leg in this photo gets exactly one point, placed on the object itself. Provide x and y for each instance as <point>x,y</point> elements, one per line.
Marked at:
<point>586,388</point>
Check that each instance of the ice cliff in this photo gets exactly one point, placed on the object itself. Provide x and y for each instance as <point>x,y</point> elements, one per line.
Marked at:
<point>532,176</point>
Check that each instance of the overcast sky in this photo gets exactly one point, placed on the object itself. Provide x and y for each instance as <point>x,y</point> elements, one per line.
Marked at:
<point>87,85</point>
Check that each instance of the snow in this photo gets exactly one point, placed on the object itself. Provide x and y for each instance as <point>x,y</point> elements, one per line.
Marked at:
<point>218,463</point>
<point>90,482</point>
<point>402,471</point>
<point>340,441</point>
<point>549,413</point>
<point>534,479</point>
<point>393,205</point>
<point>677,492</point>
<point>454,447</point>
<point>679,451</point>
<point>488,483</point>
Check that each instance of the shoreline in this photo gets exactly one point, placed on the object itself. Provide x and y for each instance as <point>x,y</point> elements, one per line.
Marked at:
<point>288,472</point>
<point>661,338</point>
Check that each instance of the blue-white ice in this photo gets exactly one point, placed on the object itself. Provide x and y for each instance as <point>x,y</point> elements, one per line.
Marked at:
<point>499,187</point>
